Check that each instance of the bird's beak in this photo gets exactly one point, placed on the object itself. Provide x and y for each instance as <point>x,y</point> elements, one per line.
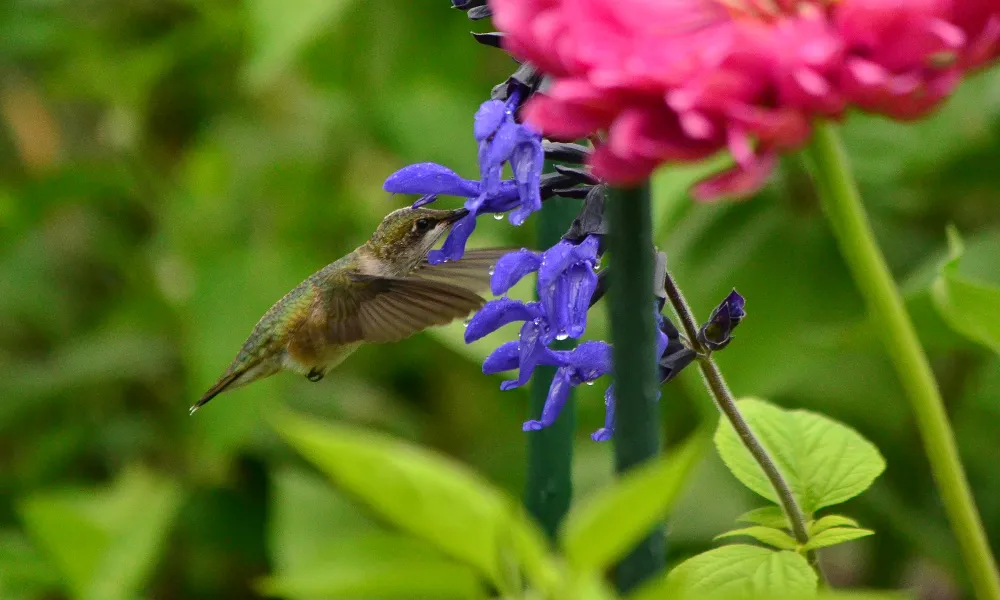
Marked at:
<point>456,215</point>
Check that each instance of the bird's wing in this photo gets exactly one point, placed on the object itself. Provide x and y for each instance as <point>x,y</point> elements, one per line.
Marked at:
<point>471,272</point>
<point>383,309</point>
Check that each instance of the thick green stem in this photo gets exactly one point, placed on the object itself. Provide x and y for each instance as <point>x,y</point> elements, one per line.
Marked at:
<point>549,487</point>
<point>726,404</point>
<point>839,195</point>
<point>633,335</point>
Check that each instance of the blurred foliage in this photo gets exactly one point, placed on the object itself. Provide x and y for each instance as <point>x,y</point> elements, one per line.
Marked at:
<point>169,168</point>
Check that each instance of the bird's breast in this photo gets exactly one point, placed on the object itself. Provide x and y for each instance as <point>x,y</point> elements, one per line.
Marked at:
<point>327,358</point>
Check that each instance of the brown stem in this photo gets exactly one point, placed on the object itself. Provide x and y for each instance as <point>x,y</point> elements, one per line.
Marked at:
<point>724,400</point>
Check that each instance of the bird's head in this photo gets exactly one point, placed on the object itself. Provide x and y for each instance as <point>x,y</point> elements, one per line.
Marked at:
<point>405,236</point>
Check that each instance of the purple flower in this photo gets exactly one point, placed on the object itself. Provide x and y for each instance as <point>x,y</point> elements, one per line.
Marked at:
<point>529,351</point>
<point>674,356</point>
<point>604,433</point>
<point>718,331</point>
<point>501,140</point>
<point>566,282</point>
<point>584,364</point>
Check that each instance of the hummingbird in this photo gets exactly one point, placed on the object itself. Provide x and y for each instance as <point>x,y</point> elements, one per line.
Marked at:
<point>383,291</point>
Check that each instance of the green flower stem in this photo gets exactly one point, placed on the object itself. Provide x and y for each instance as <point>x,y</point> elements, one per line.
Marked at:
<point>549,487</point>
<point>633,337</point>
<point>726,403</point>
<point>841,201</point>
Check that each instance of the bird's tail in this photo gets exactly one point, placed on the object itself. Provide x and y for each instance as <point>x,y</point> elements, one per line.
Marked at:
<point>238,375</point>
<point>235,376</point>
<point>220,386</point>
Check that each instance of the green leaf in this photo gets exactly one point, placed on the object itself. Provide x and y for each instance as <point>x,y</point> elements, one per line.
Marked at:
<point>423,493</point>
<point>281,28</point>
<point>529,546</point>
<point>323,546</point>
<point>376,577</point>
<point>823,461</point>
<point>968,306</point>
<point>741,570</point>
<point>768,516</point>
<point>581,586</point>
<point>604,526</point>
<point>24,571</point>
<point>768,535</point>
<point>830,521</point>
<point>664,587</point>
<point>105,543</point>
<point>837,535</point>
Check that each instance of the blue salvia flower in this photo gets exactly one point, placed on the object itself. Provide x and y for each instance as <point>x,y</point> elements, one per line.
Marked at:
<point>529,351</point>
<point>501,140</point>
<point>605,433</point>
<point>566,281</point>
<point>586,363</point>
<point>674,356</point>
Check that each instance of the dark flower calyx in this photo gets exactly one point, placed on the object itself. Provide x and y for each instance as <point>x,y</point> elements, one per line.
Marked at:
<point>590,221</point>
<point>566,152</point>
<point>557,184</point>
<point>583,175</point>
<point>718,331</point>
<point>467,4</point>
<point>676,355</point>
<point>578,193</point>
<point>479,12</point>
<point>673,361</point>
<point>525,80</point>
<point>493,39</point>
<point>660,279</point>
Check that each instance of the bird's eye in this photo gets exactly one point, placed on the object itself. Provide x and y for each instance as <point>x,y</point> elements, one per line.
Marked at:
<point>422,225</point>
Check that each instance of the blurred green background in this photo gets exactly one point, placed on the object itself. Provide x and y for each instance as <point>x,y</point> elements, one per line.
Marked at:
<point>169,168</point>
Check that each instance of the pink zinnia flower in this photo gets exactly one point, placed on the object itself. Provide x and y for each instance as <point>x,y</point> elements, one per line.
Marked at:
<point>679,80</point>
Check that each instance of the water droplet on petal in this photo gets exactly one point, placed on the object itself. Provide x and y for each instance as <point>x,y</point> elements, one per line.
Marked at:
<point>493,270</point>
<point>562,336</point>
<point>590,383</point>
<point>498,216</point>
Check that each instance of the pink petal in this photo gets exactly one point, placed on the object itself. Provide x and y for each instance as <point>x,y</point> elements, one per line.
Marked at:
<point>618,171</point>
<point>738,182</point>
<point>562,120</point>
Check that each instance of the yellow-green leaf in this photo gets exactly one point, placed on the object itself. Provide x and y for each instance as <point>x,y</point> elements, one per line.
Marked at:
<point>968,306</point>
<point>420,492</point>
<point>837,535</point>
<point>823,461</point>
<point>106,542</point>
<point>406,578</point>
<point>605,525</point>
<point>768,535</point>
<point>830,521</point>
<point>740,570</point>
<point>768,516</point>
